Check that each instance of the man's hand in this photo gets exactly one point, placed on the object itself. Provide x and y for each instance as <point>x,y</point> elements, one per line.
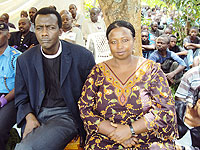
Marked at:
<point>170,77</point>
<point>31,123</point>
<point>121,133</point>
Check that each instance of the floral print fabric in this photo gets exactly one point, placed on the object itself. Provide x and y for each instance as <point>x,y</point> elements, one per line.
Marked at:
<point>145,94</point>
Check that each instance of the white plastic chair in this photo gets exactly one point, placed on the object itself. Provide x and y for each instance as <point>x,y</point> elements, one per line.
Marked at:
<point>98,44</point>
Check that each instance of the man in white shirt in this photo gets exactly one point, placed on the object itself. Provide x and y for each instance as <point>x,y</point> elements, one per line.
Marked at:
<point>94,24</point>
<point>77,18</point>
<point>32,12</point>
<point>71,34</point>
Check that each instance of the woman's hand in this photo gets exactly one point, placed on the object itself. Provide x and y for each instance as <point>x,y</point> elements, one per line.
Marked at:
<point>130,142</point>
<point>121,133</point>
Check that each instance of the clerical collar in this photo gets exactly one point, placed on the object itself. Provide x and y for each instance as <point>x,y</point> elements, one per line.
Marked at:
<point>55,55</point>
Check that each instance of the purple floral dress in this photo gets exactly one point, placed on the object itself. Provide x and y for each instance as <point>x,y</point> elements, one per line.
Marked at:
<point>145,94</point>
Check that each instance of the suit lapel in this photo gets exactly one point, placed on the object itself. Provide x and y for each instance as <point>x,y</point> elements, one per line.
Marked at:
<point>66,61</point>
<point>40,73</point>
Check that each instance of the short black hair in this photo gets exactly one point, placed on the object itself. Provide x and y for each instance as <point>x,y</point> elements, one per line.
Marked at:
<point>166,37</point>
<point>145,31</point>
<point>120,23</point>
<point>48,10</point>
<point>172,36</point>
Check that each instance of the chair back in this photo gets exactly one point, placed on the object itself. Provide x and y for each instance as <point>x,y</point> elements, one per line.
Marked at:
<point>98,44</point>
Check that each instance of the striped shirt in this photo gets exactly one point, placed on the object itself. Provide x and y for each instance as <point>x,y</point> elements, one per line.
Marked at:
<point>189,83</point>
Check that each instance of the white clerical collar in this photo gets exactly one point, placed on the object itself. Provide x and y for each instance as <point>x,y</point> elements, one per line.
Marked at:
<point>55,55</point>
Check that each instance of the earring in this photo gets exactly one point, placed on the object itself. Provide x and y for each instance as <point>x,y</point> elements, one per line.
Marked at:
<point>133,52</point>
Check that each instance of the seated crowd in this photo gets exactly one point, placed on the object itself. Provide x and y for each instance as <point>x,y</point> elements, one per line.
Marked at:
<point>51,88</point>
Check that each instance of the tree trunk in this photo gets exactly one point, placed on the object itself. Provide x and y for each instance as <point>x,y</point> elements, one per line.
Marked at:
<point>128,10</point>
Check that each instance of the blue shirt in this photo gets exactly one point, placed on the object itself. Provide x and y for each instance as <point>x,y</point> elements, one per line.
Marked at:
<point>7,69</point>
<point>156,57</point>
<point>152,39</point>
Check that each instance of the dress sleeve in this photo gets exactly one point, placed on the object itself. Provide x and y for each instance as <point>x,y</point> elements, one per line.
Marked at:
<point>87,100</point>
<point>161,118</point>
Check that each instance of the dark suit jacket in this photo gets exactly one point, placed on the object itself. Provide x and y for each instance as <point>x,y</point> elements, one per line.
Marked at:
<point>29,39</point>
<point>76,63</point>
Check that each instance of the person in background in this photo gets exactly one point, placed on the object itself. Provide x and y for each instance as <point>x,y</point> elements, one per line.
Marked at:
<point>49,79</point>
<point>171,64</point>
<point>154,32</point>
<point>24,38</point>
<point>8,57</point>
<point>32,12</point>
<point>168,31</point>
<point>64,11</point>
<point>93,24</point>
<point>23,14</point>
<point>148,47</point>
<point>77,18</point>
<point>192,44</point>
<point>70,33</point>
<point>145,27</point>
<point>181,52</point>
<point>5,18</point>
<point>126,102</point>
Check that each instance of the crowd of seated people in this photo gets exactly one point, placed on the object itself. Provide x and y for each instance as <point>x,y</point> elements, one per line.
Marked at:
<point>178,63</point>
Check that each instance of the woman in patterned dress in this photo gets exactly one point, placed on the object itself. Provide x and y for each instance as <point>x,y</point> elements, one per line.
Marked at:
<point>126,102</point>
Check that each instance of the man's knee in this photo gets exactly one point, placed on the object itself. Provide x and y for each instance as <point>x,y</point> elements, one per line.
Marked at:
<point>23,146</point>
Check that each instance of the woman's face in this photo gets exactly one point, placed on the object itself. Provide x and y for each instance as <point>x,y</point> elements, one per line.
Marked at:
<point>121,42</point>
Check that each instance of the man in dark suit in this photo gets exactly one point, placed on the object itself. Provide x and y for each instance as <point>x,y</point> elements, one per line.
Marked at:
<point>49,80</point>
<point>24,38</point>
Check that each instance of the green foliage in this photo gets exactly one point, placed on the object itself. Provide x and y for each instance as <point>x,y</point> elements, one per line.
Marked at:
<point>88,4</point>
<point>188,12</point>
<point>188,16</point>
<point>152,3</point>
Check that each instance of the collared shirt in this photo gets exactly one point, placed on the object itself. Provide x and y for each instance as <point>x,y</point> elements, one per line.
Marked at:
<point>78,19</point>
<point>55,55</point>
<point>74,36</point>
<point>32,28</point>
<point>7,69</point>
<point>91,27</point>
<point>189,83</point>
<point>156,57</point>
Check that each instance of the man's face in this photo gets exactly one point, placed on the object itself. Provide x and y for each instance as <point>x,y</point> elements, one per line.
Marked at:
<point>154,27</point>
<point>32,13</point>
<point>94,15</point>
<point>168,31</point>
<point>24,25</point>
<point>193,33</point>
<point>144,36</point>
<point>161,44</point>
<point>145,27</point>
<point>173,41</point>
<point>47,32</point>
<point>4,35</point>
<point>66,21</point>
<point>72,9</point>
